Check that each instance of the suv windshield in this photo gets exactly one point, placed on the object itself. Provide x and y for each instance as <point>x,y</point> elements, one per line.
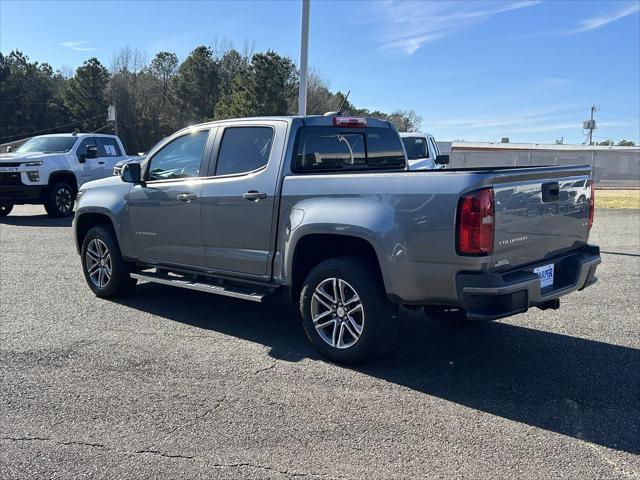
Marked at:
<point>416,147</point>
<point>47,145</point>
<point>330,148</point>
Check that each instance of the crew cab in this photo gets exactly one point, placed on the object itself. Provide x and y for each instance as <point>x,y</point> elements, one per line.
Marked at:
<point>323,210</point>
<point>422,151</point>
<point>48,169</point>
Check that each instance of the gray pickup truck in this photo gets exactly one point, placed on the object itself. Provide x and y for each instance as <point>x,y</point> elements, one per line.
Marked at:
<point>324,210</point>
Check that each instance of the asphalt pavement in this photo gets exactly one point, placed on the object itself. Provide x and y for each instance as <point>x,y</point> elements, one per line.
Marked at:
<point>169,383</point>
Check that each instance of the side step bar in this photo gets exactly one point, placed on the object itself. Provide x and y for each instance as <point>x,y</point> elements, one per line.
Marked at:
<point>253,294</point>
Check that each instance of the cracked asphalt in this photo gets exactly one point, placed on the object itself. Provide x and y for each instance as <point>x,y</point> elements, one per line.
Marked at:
<point>170,383</point>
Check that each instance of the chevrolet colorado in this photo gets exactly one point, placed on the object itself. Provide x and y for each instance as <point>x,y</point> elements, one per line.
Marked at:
<point>324,209</point>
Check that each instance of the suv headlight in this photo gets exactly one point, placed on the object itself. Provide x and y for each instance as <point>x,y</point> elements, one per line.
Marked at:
<point>33,164</point>
<point>33,175</point>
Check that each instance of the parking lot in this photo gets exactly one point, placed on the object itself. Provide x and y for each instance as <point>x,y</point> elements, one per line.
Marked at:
<point>179,384</point>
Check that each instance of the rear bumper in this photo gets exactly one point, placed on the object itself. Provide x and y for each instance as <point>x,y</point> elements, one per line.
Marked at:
<point>18,194</point>
<point>489,296</point>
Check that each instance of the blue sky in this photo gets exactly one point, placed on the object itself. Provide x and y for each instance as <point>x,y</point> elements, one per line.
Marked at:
<point>477,70</point>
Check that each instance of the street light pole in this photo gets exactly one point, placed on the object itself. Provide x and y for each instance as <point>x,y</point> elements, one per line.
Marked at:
<point>304,56</point>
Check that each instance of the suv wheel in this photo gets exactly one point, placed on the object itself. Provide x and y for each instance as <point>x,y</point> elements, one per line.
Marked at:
<point>5,209</point>
<point>60,200</point>
<point>105,271</point>
<point>345,311</point>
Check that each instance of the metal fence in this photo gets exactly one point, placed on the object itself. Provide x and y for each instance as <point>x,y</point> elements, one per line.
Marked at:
<point>613,167</point>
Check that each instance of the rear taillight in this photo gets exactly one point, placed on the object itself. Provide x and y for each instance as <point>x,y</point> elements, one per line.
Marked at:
<point>476,222</point>
<point>592,203</point>
<point>349,122</point>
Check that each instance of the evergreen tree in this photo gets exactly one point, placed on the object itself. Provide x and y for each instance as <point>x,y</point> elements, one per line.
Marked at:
<point>85,95</point>
<point>197,85</point>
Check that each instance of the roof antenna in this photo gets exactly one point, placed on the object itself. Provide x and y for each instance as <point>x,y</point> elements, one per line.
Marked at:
<point>339,112</point>
<point>344,100</point>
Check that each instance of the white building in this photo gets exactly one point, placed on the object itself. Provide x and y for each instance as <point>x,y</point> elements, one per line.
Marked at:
<point>612,166</point>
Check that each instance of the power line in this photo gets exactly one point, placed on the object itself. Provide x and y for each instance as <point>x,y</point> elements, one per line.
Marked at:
<point>51,128</point>
<point>103,127</point>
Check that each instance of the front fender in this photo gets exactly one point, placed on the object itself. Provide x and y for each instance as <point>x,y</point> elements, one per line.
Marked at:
<point>107,200</point>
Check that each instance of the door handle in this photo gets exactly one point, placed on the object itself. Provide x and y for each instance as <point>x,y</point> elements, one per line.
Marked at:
<point>186,197</point>
<point>254,195</point>
<point>101,163</point>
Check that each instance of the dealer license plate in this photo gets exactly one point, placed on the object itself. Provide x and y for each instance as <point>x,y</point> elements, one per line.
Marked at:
<point>546,275</point>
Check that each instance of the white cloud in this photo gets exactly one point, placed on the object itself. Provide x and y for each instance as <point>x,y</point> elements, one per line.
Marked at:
<point>523,119</point>
<point>597,22</point>
<point>78,46</point>
<point>407,26</point>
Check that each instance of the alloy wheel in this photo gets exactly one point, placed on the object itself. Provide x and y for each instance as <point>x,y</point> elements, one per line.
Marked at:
<point>98,262</point>
<point>337,313</point>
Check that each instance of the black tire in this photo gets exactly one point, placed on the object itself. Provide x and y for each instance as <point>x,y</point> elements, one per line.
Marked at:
<point>60,200</point>
<point>102,240</point>
<point>378,324</point>
<point>5,209</point>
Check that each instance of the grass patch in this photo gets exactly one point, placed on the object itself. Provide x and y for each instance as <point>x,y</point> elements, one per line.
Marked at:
<point>617,198</point>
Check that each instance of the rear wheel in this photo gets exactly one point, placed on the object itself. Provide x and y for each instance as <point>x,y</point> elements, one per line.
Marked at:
<point>5,209</point>
<point>105,271</point>
<point>345,311</point>
<point>60,200</point>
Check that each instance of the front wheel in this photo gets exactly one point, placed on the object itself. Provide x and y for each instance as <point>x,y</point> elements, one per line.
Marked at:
<point>60,200</point>
<point>5,209</point>
<point>345,311</point>
<point>105,271</point>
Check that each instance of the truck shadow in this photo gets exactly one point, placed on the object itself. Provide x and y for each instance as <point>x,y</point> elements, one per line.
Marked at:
<point>36,221</point>
<point>581,388</point>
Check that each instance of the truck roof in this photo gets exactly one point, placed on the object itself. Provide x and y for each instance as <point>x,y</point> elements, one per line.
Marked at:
<point>415,134</point>
<point>79,135</point>
<point>310,120</point>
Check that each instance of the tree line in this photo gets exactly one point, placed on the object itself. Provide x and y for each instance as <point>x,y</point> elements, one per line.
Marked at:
<point>155,98</point>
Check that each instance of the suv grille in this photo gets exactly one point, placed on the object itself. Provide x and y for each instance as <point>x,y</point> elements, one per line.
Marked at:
<point>11,178</point>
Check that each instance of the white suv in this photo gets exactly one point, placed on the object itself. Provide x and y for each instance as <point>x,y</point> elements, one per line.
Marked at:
<point>49,169</point>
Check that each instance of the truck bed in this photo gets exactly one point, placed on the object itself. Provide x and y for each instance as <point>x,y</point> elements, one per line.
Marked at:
<point>409,218</point>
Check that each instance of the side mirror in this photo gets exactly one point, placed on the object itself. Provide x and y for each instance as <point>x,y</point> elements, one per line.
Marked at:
<point>131,173</point>
<point>92,151</point>
<point>82,158</point>
<point>442,159</point>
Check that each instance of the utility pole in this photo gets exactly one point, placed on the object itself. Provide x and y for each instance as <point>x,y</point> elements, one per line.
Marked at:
<point>112,116</point>
<point>590,125</point>
<point>304,57</point>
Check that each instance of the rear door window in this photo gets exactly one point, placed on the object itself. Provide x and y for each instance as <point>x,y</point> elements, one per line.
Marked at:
<point>244,149</point>
<point>108,147</point>
<point>333,149</point>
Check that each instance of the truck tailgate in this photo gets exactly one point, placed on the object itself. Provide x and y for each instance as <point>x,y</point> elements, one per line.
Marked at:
<point>540,213</point>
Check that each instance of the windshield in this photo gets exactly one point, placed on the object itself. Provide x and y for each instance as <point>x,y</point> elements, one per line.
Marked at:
<point>416,147</point>
<point>47,145</point>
